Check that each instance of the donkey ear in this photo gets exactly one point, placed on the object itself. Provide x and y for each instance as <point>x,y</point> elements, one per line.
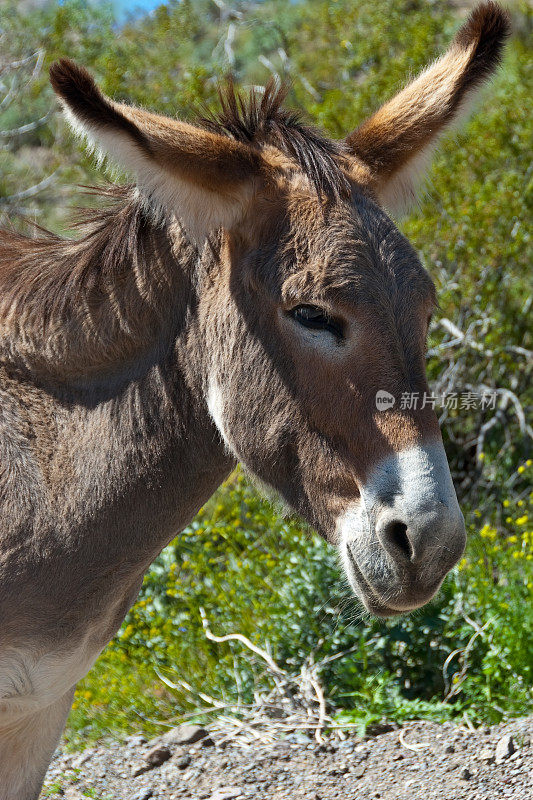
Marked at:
<point>397,142</point>
<point>206,179</point>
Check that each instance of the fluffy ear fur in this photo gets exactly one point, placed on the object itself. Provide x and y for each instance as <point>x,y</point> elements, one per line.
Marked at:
<point>205,178</point>
<point>396,143</point>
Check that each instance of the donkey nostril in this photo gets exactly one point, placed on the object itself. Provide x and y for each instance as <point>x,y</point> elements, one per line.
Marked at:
<point>396,533</point>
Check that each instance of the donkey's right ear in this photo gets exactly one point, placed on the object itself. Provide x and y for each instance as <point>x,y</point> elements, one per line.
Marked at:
<point>205,178</point>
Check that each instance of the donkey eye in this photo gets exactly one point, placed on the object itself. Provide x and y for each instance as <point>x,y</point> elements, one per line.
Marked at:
<point>317,319</point>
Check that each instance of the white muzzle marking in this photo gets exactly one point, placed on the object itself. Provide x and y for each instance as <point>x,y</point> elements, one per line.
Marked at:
<point>406,532</point>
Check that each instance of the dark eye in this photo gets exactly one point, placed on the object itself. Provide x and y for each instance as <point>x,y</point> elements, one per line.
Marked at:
<point>317,319</point>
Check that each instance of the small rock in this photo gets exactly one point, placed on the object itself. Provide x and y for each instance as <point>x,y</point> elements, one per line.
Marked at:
<point>297,738</point>
<point>138,769</point>
<point>157,755</point>
<point>504,748</point>
<point>347,745</point>
<point>359,771</point>
<point>465,774</point>
<point>72,794</point>
<point>183,734</point>
<point>226,793</point>
<point>486,755</point>
<point>82,759</point>
<point>135,741</point>
<point>183,762</point>
<point>144,794</point>
<point>449,749</point>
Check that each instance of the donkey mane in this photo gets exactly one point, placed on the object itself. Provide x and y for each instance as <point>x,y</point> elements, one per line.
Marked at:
<point>45,270</point>
<point>260,118</point>
<point>78,303</point>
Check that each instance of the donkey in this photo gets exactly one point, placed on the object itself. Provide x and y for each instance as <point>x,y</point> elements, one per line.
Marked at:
<point>245,300</point>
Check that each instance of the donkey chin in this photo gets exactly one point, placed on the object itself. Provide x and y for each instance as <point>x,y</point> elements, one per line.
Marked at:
<point>405,532</point>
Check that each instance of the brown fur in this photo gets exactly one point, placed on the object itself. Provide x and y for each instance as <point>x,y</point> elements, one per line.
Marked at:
<point>158,137</point>
<point>73,307</point>
<point>137,366</point>
<point>262,120</point>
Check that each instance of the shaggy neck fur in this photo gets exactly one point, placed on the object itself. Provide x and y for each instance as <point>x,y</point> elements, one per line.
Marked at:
<point>73,309</point>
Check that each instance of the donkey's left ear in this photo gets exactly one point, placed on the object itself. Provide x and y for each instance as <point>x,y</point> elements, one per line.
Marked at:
<point>396,143</point>
<point>204,178</point>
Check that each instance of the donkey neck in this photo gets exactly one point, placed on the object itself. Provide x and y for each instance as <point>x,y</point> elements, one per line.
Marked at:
<point>94,338</point>
<point>97,486</point>
<point>112,454</point>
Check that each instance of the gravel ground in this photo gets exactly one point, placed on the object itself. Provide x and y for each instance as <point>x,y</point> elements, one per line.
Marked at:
<point>420,760</point>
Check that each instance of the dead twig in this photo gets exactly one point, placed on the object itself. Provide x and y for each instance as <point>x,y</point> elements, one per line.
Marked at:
<point>238,637</point>
<point>453,687</point>
<point>409,746</point>
<point>295,703</point>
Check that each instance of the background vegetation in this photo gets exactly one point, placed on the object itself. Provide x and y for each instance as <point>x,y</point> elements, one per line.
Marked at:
<point>471,650</point>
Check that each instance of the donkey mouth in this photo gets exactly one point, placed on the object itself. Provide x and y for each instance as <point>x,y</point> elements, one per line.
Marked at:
<point>395,603</point>
<point>364,590</point>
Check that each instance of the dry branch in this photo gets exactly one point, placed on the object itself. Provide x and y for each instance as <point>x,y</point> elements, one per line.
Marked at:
<point>296,702</point>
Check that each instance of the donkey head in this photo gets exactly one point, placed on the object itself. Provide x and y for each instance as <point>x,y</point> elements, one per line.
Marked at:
<point>311,304</point>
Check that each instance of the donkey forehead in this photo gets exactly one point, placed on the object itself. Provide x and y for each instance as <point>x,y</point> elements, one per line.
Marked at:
<point>348,249</point>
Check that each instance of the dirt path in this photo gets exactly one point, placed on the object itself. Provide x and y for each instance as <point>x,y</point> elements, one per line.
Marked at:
<point>422,760</point>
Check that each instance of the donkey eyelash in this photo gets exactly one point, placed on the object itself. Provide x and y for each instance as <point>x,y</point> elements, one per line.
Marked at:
<point>318,319</point>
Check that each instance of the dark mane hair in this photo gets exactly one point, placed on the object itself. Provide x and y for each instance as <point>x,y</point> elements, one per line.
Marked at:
<point>259,117</point>
<point>41,275</point>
